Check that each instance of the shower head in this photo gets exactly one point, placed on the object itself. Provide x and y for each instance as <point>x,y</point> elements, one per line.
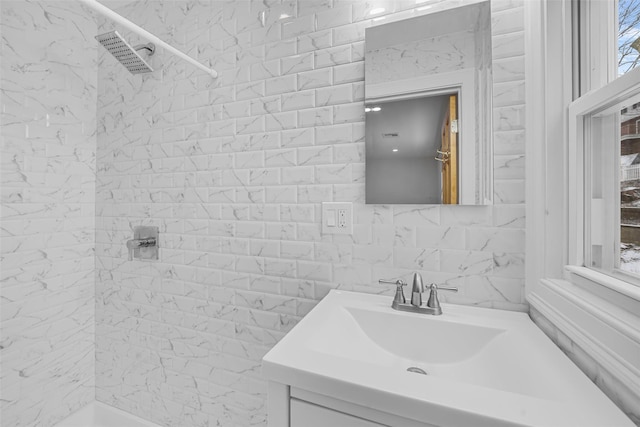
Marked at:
<point>126,54</point>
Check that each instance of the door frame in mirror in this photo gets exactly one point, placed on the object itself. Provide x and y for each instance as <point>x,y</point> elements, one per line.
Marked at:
<point>462,82</point>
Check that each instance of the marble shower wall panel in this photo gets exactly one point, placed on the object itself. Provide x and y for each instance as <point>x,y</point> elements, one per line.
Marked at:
<point>48,92</point>
<point>233,172</point>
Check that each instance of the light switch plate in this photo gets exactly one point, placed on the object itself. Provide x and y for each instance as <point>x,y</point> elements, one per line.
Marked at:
<point>337,218</point>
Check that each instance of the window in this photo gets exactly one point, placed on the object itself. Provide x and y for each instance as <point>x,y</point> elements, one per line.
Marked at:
<point>605,142</point>
<point>628,35</point>
<point>612,184</point>
<point>629,189</point>
<point>628,58</point>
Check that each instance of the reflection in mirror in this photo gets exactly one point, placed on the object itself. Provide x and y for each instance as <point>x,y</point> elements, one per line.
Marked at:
<point>409,160</point>
<point>428,111</point>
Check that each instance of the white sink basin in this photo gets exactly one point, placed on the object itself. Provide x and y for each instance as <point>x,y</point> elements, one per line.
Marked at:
<point>487,367</point>
<point>388,335</point>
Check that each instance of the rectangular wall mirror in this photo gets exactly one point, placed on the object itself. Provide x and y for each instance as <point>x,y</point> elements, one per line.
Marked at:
<point>428,108</point>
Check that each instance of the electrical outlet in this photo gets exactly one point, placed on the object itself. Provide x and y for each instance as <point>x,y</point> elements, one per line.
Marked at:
<point>342,218</point>
<point>337,218</point>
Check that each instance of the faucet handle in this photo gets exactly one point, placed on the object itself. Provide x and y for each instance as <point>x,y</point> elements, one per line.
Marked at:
<point>399,297</point>
<point>433,301</point>
<point>444,288</point>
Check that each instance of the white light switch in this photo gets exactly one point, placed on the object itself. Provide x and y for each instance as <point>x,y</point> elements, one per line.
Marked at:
<point>337,218</point>
<point>331,218</point>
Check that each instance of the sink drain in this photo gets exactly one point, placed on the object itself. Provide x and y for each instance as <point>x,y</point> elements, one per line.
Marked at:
<point>417,370</point>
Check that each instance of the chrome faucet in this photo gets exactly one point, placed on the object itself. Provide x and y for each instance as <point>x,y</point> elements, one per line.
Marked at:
<point>433,303</point>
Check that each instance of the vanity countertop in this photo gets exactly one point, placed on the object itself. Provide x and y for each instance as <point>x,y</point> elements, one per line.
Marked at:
<point>483,367</point>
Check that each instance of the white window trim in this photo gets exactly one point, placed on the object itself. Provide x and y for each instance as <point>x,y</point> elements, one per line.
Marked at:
<point>599,313</point>
<point>607,96</point>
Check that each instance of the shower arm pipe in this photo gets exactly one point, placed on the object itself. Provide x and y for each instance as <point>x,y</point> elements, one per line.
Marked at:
<point>108,13</point>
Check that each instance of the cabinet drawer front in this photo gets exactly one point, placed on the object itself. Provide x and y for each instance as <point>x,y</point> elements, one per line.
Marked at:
<point>304,414</point>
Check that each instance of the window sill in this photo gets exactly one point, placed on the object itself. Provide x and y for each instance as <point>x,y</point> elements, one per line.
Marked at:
<point>616,291</point>
<point>598,313</point>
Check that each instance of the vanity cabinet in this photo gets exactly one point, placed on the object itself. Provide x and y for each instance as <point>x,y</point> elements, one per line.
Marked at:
<point>294,407</point>
<point>305,414</point>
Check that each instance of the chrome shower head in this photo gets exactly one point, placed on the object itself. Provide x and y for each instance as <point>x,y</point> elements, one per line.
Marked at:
<point>126,54</point>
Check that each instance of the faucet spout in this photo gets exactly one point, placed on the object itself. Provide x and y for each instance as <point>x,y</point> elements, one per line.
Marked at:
<point>416,290</point>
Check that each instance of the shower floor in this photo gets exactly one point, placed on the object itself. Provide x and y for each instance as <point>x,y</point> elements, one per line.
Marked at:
<point>97,414</point>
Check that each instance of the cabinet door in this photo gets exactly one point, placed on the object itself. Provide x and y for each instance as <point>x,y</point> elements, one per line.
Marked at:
<point>305,414</point>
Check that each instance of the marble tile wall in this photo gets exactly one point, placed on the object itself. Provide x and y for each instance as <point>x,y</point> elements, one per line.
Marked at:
<point>48,89</point>
<point>233,172</point>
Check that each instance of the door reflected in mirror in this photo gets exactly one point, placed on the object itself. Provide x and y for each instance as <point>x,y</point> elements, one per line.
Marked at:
<point>412,151</point>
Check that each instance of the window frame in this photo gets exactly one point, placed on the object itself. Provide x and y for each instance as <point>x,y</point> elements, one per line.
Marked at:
<point>599,89</point>
<point>585,214</point>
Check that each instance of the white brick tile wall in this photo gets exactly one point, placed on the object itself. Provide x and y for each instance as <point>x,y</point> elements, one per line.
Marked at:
<point>233,171</point>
